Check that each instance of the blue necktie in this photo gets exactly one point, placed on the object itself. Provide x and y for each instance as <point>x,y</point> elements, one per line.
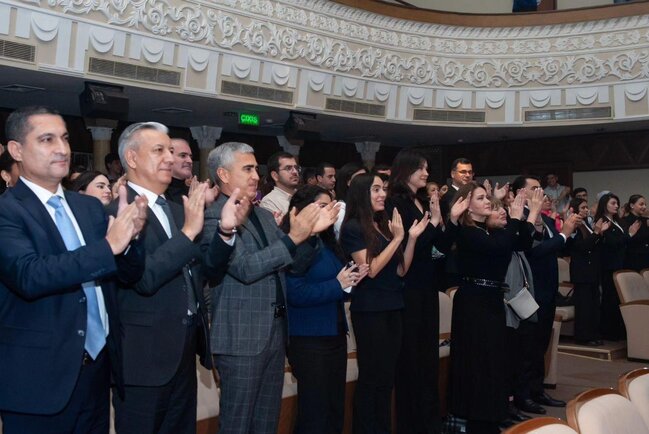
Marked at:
<point>95,334</point>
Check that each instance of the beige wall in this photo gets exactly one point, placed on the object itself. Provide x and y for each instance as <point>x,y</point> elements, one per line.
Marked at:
<point>623,183</point>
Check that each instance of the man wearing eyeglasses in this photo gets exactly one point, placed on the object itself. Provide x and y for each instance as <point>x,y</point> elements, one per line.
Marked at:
<point>461,174</point>
<point>284,173</point>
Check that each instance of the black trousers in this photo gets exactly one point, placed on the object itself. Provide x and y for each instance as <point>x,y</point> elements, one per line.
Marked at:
<point>378,341</point>
<point>587,311</point>
<point>167,409</point>
<point>611,322</point>
<point>416,386</point>
<point>513,344</point>
<point>320,365</point>
<point>535,338</point>
<point>87,412</point>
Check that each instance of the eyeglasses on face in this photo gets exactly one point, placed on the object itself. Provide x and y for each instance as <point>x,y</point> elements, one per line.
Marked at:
<point>289,169</point>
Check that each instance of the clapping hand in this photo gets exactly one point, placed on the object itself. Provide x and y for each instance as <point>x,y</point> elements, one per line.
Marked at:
<point>458,208</point>
<point>517,207</point>
<point>418,228</point>
<point>128,223</point>
<point>235,211</point>
<point>278,216</point>
<point>601,226</point>
<point>633,229</point>
<point>487,187</point>
<point>501,192</point>
<point>194,211</point>
<point>350,276</point>
<point>327,217</point>
<point>396,226</point>
<point>302,224</point>
<point>435,210</point>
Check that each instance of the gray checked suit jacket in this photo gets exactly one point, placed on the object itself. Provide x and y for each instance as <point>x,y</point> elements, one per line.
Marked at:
<point>242,302</point>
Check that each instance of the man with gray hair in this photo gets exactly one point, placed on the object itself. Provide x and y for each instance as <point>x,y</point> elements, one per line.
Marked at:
<point>248,333</point>
<point>164,319</point>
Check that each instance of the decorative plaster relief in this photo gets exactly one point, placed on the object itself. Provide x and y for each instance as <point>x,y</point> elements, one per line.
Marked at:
<point>328,35</point>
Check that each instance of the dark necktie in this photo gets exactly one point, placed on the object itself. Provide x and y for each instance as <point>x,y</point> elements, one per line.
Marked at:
<point>191,297</point>
<point>95,333</point>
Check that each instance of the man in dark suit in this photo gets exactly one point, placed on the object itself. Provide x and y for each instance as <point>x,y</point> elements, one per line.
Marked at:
<point>164,313</point>
<point>59,325</point>
<point>248,333</point>
<point>548,242</point>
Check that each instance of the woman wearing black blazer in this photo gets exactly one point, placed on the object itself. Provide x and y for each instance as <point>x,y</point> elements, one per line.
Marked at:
<point>416,384</point>
<point>637,254</point>
<point>612,250</point>
<point>585,265</point>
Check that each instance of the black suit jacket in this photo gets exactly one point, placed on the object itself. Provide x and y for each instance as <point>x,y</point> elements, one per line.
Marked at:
<point>542,258</point>
<point>584,256</point>
<point>154,310</point>
<point>42,303</point>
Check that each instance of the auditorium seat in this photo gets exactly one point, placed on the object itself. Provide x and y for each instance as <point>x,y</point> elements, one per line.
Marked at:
<point>208,394</point>
<point>541,425</point>
<point>634,386</point>
<point>566,313</point>
<point>604,411</point>
<point>451,292</point>
<point>634,305</point>
<point>551,354</point>
<point>445,313</point>
<point>564,270</point>
<point>645,274</point>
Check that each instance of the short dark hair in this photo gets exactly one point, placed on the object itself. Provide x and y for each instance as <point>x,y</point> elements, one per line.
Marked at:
<point>460,160</point>
<point>273,161</point>
<point>578,190</point>
<point>319,171</point>
<point>520,182</point>
<point>307,173</point>
<point>109,158</point>
<point>17,125</point>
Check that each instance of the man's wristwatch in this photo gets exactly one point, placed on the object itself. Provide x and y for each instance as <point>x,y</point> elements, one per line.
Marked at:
<point>220,230</point>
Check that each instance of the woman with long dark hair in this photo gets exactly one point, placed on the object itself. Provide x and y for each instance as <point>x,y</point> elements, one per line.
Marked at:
<point>613,247</point>
<point>93,183</point>
<point>478,383</point>
<point>416,384</point>
<point>317,328</point>
<point>344,177</point>
<point>370,237</point>
<point>637,253</point>
<point>585,273</point>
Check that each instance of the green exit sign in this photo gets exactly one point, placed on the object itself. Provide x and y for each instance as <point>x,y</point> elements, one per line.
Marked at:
<point>249,119</point>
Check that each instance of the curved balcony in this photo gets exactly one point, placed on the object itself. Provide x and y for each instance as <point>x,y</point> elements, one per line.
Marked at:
<point>382,63</point>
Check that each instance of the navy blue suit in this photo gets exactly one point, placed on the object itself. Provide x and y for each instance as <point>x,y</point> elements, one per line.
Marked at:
<point>42,303</point>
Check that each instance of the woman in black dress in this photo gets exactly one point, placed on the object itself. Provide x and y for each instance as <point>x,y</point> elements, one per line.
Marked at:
<point>612,251</point>
<point>478,365</point>
<point>416,384</point>
<point>369,237</point>
<point>637,253</point>
<point>585,265</point>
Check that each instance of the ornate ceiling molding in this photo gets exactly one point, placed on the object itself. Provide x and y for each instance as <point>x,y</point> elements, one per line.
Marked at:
<point>343,40</point>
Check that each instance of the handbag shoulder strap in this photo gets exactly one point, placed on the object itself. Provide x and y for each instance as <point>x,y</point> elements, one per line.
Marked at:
<point>523,270</point>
